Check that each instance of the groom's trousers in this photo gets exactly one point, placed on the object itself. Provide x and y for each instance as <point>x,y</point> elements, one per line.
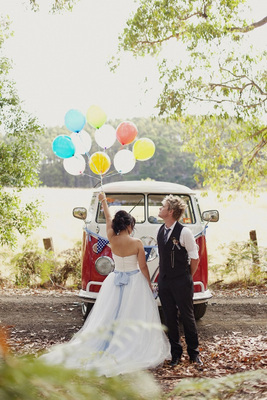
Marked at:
<point>176,296</point>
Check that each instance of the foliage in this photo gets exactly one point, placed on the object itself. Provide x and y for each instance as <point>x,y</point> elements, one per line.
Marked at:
<point>33,265</point>
<point>26,379</point>
<point>214,72</point>
<point>56,5</point>
<point>70,267</point>
<point>244,262</point>
<point>38,267</point>
<point>19,157</point>
<point>229,153</point>
<point>16,217</point>
<point>219,388</point>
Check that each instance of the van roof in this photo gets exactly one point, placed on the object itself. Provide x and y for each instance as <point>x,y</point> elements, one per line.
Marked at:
<point>146,187</point>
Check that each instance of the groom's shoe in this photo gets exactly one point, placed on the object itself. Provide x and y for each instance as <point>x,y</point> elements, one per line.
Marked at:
<point>196,360</point>
<point>175,361</point>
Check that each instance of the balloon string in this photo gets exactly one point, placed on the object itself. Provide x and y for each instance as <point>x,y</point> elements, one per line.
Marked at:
<point>112,174</point>
<point>91,176</point>
<point>82,142</point>
<point>94,166</point>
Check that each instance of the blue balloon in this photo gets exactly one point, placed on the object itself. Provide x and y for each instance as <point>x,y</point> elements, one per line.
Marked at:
<point>63,146</point>
<point>75,120</point>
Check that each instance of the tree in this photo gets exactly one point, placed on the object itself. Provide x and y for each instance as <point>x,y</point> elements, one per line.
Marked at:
<point>19,157</point>
<point>56,5</point>
<point>219,68</point>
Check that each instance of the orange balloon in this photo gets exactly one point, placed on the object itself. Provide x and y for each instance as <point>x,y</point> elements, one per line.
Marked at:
<point>126,132</point>
<point>99,163</point>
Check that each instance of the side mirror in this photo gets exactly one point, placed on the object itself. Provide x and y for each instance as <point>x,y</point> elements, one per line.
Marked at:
<point>79,212</point>
<point>210,216</point>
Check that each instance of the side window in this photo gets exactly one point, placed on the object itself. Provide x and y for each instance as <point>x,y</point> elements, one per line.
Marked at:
<point>133,203</point>
<point>155,202</point>
<point>90,213</point>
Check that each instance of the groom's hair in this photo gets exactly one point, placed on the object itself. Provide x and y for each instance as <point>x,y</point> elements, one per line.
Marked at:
<point>176,204</point>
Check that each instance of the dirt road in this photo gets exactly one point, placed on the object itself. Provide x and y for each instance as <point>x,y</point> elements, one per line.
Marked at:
<point>232,332</point>
<point>46,317</point>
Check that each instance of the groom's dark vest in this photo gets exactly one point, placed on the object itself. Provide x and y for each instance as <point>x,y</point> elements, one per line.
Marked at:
<point>173,259</point>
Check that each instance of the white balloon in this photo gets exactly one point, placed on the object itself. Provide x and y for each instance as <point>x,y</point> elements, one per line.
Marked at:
<point>124,161</point>
<point>82,142</point>
<point>74,165</point>
<point>105,136</point>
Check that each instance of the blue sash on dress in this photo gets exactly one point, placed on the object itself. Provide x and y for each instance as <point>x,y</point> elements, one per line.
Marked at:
<point>120,279</point>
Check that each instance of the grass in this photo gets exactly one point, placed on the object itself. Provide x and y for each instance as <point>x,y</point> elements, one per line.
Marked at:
<point>237,219</point>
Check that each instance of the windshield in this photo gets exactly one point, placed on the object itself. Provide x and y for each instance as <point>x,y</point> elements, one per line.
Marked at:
<point>133,203</point>
<point>155,202</point>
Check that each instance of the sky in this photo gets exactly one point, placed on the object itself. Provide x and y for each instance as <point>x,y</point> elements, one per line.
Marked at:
<point>60,61</point>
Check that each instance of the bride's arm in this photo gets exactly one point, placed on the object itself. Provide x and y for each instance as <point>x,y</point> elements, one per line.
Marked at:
<point>103,200</point>
<point>141,257</point>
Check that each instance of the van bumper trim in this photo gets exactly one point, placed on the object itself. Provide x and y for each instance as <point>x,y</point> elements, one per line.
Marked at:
<point>199,297</point>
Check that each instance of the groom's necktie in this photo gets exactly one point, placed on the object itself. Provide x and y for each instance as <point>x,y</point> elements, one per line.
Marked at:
<point>166,232</point>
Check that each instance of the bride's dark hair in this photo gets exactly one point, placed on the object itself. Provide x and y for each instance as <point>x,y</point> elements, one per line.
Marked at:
<point>122,220</point>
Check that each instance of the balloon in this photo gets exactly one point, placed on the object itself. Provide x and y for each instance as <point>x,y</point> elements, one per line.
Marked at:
<point>126,132</point>
<point>96,117</point>
<point>74,120</point>
<point>143,149</point>
<point>82,142</point>
<point>99,163</point>
<point>63,146</point>
<point>74,165</point>
<point>105,136</point>
<point>124,161</point>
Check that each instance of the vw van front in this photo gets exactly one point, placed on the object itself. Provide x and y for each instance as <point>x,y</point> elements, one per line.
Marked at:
<point>142,199</point>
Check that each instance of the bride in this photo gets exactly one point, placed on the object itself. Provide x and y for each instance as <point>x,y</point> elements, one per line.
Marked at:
<point>123,332</point>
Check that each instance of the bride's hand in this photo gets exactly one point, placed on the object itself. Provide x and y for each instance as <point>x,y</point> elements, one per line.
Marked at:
<point>101,196</point>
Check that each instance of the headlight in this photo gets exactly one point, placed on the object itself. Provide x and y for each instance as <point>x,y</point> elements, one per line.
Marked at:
<point>150,241</point>
<point>104,265</point>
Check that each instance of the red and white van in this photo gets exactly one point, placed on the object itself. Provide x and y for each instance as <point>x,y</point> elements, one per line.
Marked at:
<point>143,200</point>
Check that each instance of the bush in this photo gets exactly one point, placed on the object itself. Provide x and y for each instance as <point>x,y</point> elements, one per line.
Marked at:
<point>244,262</point>
<point>29,379</point>
<point>39,267</point>
<point>33,265</point>
<point>70,269</point>
<point>242,385</point>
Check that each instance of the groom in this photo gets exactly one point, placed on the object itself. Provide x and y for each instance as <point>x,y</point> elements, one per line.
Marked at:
<point>178,261</point>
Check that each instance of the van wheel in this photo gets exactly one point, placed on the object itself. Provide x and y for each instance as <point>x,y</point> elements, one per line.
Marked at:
<point>86,308</point>
<point>199,310</point>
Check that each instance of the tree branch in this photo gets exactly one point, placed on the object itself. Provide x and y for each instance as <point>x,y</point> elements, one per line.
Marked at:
<point>177,35</point>
<point>256,151</point>
<point>152,42</point>
<point>230,101</point>
<point>249,27</point>
<point>238,77</point>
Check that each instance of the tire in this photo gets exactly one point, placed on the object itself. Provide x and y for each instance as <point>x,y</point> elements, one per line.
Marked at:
<point>86,308</point>
<point>199,310</point>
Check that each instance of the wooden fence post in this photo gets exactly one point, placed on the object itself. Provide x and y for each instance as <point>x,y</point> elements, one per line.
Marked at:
<point>48,244</point>
<point>254,250</point>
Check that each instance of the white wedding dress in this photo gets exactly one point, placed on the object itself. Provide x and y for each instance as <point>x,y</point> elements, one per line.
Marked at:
<point>123,332</point>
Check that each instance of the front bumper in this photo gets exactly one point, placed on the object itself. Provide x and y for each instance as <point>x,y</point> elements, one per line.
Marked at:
<point>199,297</point>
